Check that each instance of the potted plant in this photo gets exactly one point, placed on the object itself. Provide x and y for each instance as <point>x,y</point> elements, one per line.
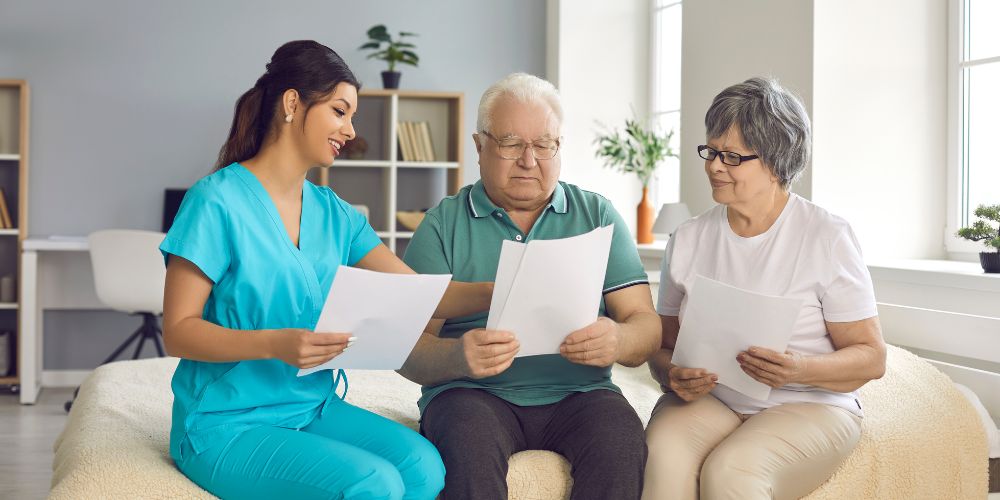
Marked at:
<point>394,51</point>
<point>639,151</point>
<point>981,230</point>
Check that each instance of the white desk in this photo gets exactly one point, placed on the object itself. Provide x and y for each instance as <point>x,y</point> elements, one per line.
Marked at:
<point>61,279</point>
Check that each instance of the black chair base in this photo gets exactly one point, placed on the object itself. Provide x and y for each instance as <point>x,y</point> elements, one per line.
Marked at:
<point>150,330</point>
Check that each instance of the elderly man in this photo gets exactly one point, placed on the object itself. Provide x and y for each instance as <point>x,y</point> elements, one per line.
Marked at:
<point>480,404</point>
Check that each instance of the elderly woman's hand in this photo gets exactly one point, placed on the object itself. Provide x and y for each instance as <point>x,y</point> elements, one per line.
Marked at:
<point>691,383</point>
<point>597,344</point>
<point>772,368</point>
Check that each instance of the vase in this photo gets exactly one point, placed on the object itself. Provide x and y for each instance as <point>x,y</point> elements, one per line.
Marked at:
<point>644,219</point>
<point>390,79</point>
<point>990,261</point>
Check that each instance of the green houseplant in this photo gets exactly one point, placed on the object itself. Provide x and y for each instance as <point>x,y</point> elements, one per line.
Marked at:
<point>394,51</point>
<point>982,230</point>
<point>637,150</point>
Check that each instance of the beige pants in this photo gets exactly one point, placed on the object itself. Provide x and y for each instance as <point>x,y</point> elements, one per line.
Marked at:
<point>783,452</point>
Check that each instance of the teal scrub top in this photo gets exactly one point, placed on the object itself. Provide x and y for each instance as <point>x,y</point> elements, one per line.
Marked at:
<point>228,226</point>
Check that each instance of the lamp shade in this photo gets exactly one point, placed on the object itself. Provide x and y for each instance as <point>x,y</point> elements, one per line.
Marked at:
<point>671,215</point>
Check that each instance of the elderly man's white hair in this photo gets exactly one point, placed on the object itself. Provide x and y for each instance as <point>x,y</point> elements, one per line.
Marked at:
<point>522,87</point>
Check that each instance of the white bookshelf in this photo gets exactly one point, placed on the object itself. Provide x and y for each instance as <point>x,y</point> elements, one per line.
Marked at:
<point>381,179</point>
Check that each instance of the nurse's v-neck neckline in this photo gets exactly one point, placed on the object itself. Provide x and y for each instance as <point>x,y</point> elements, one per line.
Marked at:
<point>272,209</point>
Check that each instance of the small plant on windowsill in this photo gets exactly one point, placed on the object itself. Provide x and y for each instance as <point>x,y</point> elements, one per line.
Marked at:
<point>982,230</point>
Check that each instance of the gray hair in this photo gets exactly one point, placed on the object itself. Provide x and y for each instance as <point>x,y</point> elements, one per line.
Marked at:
<point>772,121</point>
<point>522,87</point>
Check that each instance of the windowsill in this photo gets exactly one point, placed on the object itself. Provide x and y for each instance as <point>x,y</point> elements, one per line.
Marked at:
<point>941,273</point>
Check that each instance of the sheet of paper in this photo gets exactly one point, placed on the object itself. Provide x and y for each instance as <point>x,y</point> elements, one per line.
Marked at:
<point>386,312</point>
<point>547,289</point>
<point>511,253</point>
<point>720,321</point>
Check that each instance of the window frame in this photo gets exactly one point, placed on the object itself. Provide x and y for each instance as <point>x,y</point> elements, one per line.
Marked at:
<point>956,247</point>
<point>655,113</point>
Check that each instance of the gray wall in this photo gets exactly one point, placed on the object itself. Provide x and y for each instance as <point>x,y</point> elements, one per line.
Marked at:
<point>129,98</point>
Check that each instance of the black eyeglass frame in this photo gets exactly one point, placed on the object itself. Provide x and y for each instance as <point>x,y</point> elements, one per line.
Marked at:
<point>722,157</point>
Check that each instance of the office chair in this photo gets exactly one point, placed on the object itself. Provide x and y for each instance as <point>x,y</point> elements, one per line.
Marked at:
<point>129,276</point>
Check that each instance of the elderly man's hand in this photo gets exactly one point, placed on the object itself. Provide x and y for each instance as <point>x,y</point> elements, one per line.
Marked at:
<point>488,352</point>
<point>597,344</point>
<point>772,368</point>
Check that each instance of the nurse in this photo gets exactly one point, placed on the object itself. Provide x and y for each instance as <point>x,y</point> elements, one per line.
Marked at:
<point>250,257</point>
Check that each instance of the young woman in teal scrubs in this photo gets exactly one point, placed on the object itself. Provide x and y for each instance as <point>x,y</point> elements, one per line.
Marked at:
<point>250,258</point>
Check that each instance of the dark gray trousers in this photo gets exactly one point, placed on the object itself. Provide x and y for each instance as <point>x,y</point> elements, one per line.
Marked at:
<point>477,432</point>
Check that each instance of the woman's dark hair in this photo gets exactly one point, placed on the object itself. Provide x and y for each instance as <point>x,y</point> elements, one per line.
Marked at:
<point>311,68</point>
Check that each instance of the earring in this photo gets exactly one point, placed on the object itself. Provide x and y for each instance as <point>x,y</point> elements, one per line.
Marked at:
<point>288,118</point>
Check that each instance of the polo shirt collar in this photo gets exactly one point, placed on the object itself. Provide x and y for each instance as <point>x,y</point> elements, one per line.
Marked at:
<point>482,206</point>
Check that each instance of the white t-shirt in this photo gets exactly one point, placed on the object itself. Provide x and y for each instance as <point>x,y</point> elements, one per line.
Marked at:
<point>807,253</point>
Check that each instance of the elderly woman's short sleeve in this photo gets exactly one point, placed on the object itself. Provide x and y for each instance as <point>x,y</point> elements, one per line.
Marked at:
<point>200,232</point>
<point>670,295</point>
<point>848,294</point>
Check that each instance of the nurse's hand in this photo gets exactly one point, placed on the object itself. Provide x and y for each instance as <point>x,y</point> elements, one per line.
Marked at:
<point>305,349</point>
<point>691,383</point>
<point>488,352</point>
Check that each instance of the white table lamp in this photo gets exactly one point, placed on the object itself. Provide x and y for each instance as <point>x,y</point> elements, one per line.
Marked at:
<point>671,215</point>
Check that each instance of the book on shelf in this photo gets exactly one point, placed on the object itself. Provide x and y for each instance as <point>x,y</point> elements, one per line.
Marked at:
<point>5,219</point>
<point>405,141</point>
<point>414,137</point>
<point>425,138</point>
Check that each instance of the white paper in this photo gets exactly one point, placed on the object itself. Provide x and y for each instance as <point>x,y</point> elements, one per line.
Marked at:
<point>720,321</point>
<point>386,312</point>
<point>547,289</point>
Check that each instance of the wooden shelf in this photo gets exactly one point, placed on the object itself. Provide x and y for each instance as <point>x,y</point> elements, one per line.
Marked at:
<point>14,110</point>
<point>428,164</point>
<point>362,163</point>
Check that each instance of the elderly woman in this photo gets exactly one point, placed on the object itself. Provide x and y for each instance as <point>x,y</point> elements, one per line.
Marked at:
<point>705,438</point>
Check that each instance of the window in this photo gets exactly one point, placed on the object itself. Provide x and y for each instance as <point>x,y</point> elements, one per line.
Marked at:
<point>665,95</point>
<point>974,105</point>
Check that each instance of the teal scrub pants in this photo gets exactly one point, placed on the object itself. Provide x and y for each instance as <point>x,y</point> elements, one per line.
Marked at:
<point>346,453</point>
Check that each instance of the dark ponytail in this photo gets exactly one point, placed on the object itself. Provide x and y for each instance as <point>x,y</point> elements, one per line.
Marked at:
<point>308,67</point>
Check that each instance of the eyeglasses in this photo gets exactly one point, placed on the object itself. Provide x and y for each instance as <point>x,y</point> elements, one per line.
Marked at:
<point>512,148</point>
<point>728,157</point>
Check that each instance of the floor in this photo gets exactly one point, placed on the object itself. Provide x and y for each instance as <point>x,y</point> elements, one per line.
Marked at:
<point>27,434</point>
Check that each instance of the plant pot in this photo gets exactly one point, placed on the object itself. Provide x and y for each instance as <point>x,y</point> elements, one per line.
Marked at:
<point>990,261</point>
<point>644,219</point>
<point>390,79</point>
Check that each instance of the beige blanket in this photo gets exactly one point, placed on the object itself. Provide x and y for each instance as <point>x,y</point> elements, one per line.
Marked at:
<point>921,438</point>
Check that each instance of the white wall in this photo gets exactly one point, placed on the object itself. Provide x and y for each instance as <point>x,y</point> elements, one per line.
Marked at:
<point>129,98</point>
<point>598,56</point>
<point>726,42</point>
<point>880,122</point>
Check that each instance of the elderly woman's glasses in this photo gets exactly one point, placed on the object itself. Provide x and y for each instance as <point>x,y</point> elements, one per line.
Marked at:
<point>512,148</point>
<point>728,157</point>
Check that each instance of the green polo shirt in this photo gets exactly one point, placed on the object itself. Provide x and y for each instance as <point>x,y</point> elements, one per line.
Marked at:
<point>462,236</point>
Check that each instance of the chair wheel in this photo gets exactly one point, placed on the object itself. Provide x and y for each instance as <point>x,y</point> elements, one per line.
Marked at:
<point>68,405</point>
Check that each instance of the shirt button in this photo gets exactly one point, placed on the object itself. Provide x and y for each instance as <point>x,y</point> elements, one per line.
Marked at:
<point>499,215</point>
<point>518,237</point>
